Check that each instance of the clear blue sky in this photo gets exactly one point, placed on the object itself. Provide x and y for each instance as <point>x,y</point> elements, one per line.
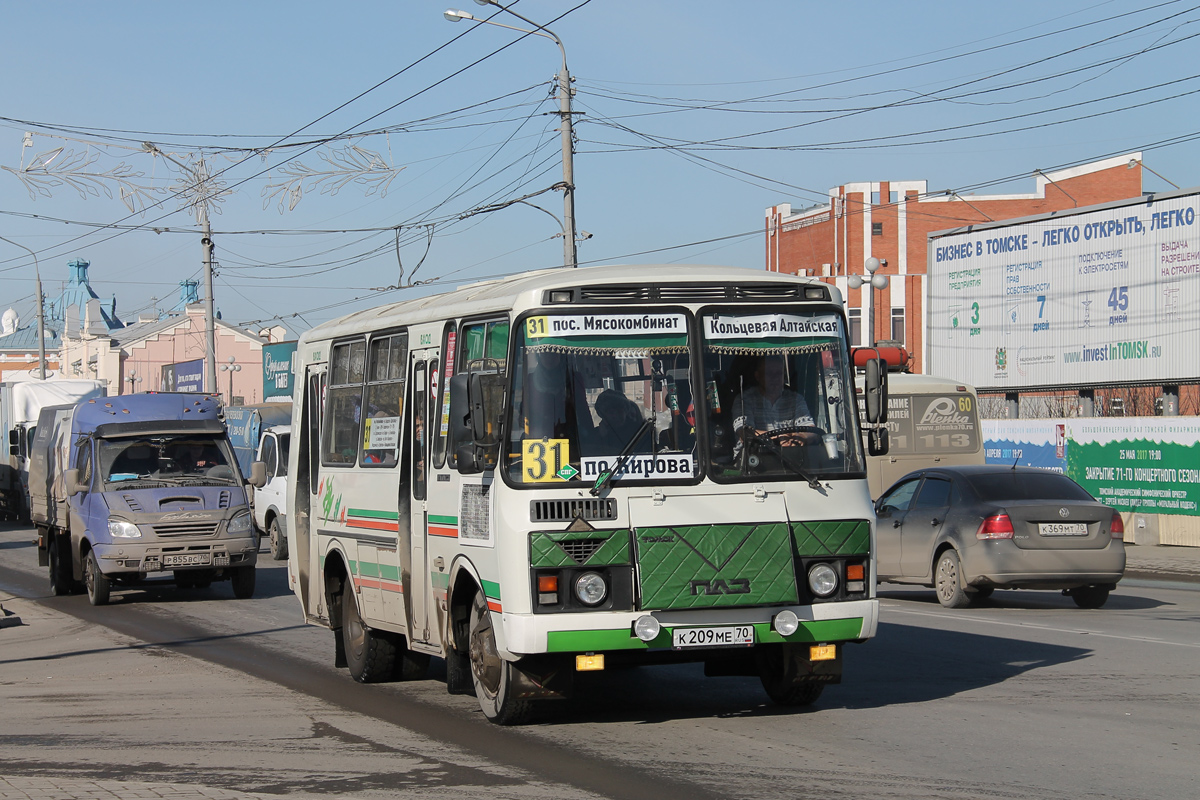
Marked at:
<point>695,118</point>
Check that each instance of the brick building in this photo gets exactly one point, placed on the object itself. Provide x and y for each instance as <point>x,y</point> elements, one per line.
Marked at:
<point>890,220</point>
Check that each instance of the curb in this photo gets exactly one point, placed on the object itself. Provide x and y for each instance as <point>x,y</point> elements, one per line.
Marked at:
<point>8,619</point>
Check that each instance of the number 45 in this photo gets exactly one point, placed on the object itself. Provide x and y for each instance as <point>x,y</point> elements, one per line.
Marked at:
<point>1118,298</point>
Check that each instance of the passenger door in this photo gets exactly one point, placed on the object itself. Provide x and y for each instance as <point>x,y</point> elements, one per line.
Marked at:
<point>923,525</point>
<point>422,368</point>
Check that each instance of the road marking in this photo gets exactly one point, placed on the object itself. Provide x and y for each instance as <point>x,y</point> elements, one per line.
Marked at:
<point>1076,631</point>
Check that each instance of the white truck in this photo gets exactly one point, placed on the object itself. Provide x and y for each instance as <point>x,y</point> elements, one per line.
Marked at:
<point>270,499</point>
<point>20,404</point>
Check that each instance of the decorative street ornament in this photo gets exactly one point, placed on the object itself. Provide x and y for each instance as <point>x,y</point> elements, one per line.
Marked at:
<point>64,167</point>
<point>350,165</point>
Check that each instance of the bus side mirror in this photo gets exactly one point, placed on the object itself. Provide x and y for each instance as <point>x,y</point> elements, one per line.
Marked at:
<point>485,395</point>
<point>71,482</point>
<point>877,441</point>
<point>461,429</point>
<point>876,391</point>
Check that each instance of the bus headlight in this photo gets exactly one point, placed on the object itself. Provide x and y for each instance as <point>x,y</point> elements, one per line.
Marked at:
<point>786,623</point>
<point>822,580</point>
<point>646,628</point>
<point>123,530</point>
<point>590,588</point>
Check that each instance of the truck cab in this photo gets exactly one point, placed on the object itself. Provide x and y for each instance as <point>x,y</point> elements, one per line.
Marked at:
<point>152,486</point>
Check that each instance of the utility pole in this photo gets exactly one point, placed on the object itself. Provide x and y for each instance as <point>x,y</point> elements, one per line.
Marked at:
<point>210,317</point>
<point>41,309</point>
<point>570,254</point>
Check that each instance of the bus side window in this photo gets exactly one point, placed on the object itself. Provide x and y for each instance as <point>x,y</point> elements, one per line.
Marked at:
<point>343,403</point>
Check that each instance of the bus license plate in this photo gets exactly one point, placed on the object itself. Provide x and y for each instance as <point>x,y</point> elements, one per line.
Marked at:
<point>1062,528</point>
<point>712,637</point>
<point>186,559</point>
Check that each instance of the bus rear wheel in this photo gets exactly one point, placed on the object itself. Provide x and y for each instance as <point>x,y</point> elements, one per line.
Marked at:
<point>491,674</point>
<point>370,655</point>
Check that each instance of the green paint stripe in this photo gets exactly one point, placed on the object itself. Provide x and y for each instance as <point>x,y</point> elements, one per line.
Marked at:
<point>353,567</point>
<point>441,520</point>
<point>491,590</point>
<point>366,512</point>
<point>367,569</point>
<point>833,630</point>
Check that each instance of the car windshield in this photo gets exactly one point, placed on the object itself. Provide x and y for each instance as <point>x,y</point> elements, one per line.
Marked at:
<point>166,458</point>
<point>588,388</point>
<point>778,396</point>
<point>1008,486</point>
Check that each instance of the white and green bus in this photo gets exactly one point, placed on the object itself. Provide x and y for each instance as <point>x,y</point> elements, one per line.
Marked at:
<point>555,473</point>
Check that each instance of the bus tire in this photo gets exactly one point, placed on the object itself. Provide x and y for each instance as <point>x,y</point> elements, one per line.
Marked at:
<point>491,674</point>
<point>370,655</point>
<point>778,673</point>
<point>279,548</point>
<point>947,580</point>
<point>98,585</point>
<point>410,665</point>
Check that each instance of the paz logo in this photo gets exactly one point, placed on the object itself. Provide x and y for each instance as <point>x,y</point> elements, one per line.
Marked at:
<point>1001,358</point>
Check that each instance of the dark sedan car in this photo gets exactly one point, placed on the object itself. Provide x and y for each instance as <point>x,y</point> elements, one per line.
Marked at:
<point>968,530</point>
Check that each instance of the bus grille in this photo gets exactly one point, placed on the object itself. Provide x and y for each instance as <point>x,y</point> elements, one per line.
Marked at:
<point>197,528</point>
<point>568,510</point>
<point>580,550</point>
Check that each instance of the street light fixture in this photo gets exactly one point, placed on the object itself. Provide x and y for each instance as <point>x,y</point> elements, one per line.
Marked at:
<point>570,255</point>
<point>133,379</point>
<point>876,282</point>
<point>231,368</point>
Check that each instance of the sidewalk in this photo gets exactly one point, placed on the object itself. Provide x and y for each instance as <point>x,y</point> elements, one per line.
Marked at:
<point>1162,563</point>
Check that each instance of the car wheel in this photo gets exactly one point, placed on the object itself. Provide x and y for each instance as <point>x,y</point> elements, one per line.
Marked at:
<point>492,675</point>
<point>947,577</point>
<point>242,579</point>
<point>98,585</point>
<point>370,655</point>
<point>279,548</point>
<point>1090,596</point>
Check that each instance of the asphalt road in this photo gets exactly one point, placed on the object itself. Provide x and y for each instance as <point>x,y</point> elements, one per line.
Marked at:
<point>1026,697</point>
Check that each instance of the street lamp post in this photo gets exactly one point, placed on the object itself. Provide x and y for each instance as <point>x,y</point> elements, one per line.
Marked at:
<point>570,255</point>
<point>41,314</point>
<point>231,368</point>
<point>876,282</point>
<point>133,379</point>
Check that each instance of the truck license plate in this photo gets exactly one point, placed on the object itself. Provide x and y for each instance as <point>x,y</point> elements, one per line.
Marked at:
<point>186,559</point>
<point>712,637</point>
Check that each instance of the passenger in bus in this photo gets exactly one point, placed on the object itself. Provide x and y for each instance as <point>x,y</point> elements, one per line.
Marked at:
<point>620,419</point>
<point>770,406</point>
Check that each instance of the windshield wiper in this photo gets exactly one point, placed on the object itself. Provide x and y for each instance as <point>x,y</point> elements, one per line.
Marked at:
<point>626,452</point>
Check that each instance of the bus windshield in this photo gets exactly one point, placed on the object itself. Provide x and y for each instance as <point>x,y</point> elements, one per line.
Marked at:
<point>591,387</point>
<point>779,397</point>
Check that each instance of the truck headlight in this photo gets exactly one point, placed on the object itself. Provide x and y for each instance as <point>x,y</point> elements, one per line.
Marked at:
<point>822,580</point>
<point>239,524</point>
<point>123,530</point>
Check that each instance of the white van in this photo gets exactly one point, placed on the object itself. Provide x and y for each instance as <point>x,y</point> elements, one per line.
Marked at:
<point>270,500</point>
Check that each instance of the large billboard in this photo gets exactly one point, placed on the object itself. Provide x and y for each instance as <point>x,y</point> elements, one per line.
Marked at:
<point>278,371</point>
<point>1098,297</point>
<point>186,376</point>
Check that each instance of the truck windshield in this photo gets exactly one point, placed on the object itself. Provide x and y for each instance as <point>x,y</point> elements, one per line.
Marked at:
<point>778,396</point>
<point>168,458</point>
<point>588,387</point>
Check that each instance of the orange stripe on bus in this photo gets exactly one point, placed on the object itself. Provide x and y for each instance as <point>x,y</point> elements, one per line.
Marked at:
<point>374,524</point>
<point>437,530</point>
<point>494,605</point>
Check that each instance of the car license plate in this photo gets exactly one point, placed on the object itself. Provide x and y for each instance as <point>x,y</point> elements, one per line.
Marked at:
<point>1062,528</point>
<point>712,637</point>
<point>186,559</point>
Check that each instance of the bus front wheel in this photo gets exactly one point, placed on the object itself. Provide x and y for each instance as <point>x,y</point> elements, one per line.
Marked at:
<point>491,674</point>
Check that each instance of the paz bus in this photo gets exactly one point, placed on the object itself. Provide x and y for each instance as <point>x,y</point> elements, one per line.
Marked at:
<point>543,475</point>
